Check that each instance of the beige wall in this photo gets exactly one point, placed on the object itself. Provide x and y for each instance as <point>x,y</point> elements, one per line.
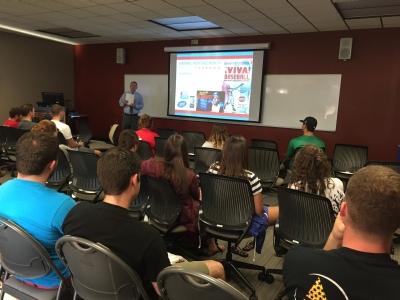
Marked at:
<point>29,66</point>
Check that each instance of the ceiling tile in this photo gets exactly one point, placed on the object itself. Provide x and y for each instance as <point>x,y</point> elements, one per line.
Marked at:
<point>364,23</point>
<point>391,21</point>
<point>157,5</point>
<point>100,10</point>
<point>185,3</point>
<point>230,5</point>
<point>77,3</point>
<point>323,16</point>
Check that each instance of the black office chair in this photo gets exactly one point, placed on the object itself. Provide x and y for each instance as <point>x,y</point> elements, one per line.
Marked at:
<point>165,132</point>
<point>61,139</point>
<point>226,212</point>
<point>138,206</point>
<point>348,159</point>
<point>163,207</point>
<point>9,138</point>
<point>270,144</point>
<point>144,150</point>
<point>193,139</point>
<point>395,165</point>
<point>265,163</point>
<point>97,273</point>
<point>84,177</point>
<point>61,174</point>
<point>83,129</point>
<point>176,283</point>
<point>205,157</point>
<point>160,144</point>
<point>22,256</point>
<point>304,219</point>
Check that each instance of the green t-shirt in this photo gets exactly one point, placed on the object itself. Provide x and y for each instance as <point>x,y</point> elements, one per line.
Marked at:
<point>301,141</point>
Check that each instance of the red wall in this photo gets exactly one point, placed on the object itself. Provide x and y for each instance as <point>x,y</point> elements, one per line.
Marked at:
<point>369,106</point>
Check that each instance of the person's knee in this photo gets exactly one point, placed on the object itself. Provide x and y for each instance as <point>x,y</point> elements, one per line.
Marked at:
<point>215,269</point>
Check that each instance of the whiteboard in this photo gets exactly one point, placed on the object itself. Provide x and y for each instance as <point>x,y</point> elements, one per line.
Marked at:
<point>286,99</point>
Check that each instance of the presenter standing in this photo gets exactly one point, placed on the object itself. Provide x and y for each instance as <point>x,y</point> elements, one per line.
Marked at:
<point>132,103</point>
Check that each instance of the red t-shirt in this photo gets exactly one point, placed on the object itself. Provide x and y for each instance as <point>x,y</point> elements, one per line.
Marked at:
<point>148,136</point>
<point>11,123</point>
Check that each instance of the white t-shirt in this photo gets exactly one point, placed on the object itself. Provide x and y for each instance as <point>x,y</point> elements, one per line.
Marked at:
<point>334,192</point>
<point>64,129</point>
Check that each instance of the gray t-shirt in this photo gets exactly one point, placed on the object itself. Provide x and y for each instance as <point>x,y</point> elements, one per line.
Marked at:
<point>26,125</point>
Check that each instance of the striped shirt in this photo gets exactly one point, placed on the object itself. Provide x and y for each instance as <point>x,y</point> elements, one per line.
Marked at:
<point>255,182</point>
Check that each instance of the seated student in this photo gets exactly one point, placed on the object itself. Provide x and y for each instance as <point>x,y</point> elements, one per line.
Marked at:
<point>109,223</point>
<point>58,117</point>
<point>174,167</point>
<point>145,133</point>
<point>234,164</point>
<point>308,138</point>
<point>355,263</point>
<point>27,114</point>
<point>217,137</point>
<point>311,173</point>
<point>14,118</point>
<point>26,200</point>
<point>128,140</point>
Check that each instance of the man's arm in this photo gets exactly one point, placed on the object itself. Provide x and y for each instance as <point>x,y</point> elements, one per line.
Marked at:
<point>139,104</point>
<point>72,143</point>
<point>122,101</point>
<point>290,150</point>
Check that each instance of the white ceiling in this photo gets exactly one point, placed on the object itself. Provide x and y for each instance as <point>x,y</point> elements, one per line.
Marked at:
<point>126,20</point>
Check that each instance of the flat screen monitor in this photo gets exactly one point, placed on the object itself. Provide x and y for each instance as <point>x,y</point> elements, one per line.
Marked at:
<point>216,85</point>
<point>50,98</point>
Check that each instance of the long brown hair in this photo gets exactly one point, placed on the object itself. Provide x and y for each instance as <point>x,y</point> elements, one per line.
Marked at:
<point>234,157</point>
<point>310,170</point>
<point>176,162</point>
<point>145,121</point>
<point>218,136</point>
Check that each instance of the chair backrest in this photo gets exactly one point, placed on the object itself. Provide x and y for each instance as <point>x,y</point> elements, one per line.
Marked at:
<point>84,131</point>
<point>193,139</point>
<point>61,138</point>
<point>165,132</point>
<point>349,158</point>
<point>176,283</point>
<point>395,165</point>
<point>84,170</point>
<point>21,255</point>
<point>112,133</point>
<point>265,163</point>
<point>270,144</point>
<point>164,205</point>
<point>144,150</point>
<point>62,171</point>
<point>226,201</point>
<point>97,273</point>
<point>305,218</point>
<point>10,136</point>
<point>138,206</point>
<point>160,143</point>
<point>205,157</point>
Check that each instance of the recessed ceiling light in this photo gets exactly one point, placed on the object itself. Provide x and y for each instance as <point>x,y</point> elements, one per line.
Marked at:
<point>186,23</point>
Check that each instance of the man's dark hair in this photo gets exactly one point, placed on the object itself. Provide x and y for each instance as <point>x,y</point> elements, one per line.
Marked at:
<point>15,111</point>
<point>128,139</point>
<point>56,109</point>
<point>115,169</point>
<point>26,109</point>
<point>34,151</point>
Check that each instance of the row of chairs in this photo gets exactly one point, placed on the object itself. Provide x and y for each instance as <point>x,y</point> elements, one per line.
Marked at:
<point>97,273</point>
<point>225,214</point>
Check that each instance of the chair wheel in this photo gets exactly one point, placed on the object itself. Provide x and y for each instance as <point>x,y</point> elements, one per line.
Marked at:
<point>265,276</point>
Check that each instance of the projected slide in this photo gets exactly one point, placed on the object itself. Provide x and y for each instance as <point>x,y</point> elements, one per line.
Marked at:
<point>215,85</point>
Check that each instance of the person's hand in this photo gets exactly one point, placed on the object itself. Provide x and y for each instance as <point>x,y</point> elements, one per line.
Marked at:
<point>338,228</point>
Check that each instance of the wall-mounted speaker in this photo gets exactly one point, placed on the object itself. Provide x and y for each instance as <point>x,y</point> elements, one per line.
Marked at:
<point>345,48</point>
<point>120,56</point>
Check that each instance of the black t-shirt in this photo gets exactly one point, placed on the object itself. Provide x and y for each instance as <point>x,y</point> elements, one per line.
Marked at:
<point>341,274</point>
<point>136,243</point>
